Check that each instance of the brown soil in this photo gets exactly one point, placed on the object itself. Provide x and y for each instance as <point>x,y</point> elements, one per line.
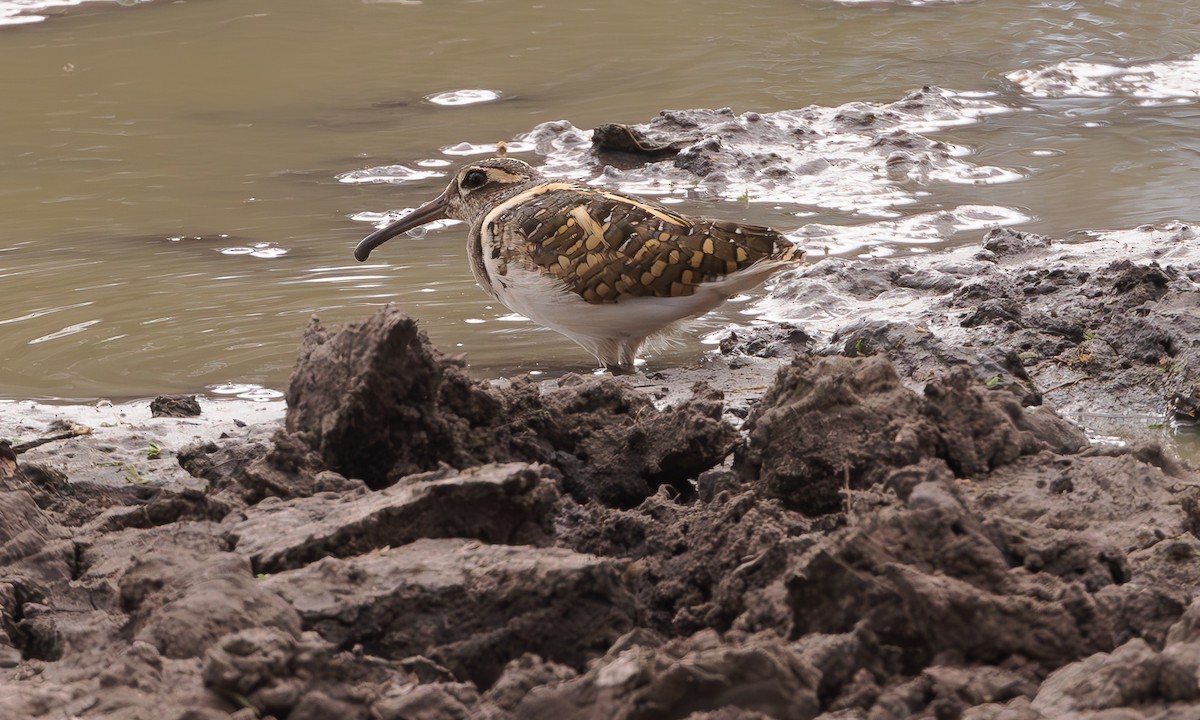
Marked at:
<point>888,525</point>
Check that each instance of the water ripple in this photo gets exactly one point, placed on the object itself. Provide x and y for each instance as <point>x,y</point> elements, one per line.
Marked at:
<point>42,312</point>
<point>68,330</point>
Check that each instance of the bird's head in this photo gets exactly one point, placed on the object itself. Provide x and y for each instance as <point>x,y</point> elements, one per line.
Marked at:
<point>476,188</point>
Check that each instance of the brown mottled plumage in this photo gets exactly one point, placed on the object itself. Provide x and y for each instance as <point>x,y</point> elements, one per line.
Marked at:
<point>606,270</point>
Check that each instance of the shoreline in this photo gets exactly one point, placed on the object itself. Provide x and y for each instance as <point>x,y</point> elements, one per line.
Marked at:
<point>126,444</point>
<point>814,310</point>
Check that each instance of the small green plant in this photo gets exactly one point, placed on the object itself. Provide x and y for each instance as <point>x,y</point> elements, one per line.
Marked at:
<point>993,382</point>
<point>1089,335</point>
<point>154,451</point>
<point>245,702</point>
<point>132,476</point>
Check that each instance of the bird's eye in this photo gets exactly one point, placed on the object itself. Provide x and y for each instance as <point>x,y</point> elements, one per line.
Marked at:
<point>474,179</point>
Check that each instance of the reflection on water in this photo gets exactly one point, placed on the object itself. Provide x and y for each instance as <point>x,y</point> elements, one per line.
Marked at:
<point>187,180</point>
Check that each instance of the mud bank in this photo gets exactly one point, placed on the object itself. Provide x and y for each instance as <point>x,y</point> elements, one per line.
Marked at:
<point>855,516</point>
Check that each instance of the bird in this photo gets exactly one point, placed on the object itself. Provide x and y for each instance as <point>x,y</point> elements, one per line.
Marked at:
<point>605,269</point>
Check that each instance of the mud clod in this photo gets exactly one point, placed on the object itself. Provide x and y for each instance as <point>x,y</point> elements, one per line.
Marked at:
<point>698,674</point>
<point>953,590</point>
<point>611,444</point>
<point>175,406</point>
<point>182,610</point>
<point>832,425</point>
<point>468,606</point>
<point>511,504</point>
<point>376,401</point>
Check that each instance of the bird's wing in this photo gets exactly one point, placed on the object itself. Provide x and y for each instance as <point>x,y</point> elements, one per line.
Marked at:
<point>605,246</point>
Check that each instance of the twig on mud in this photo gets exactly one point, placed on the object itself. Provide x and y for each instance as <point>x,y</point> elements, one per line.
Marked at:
<point>1068,383</point>
<point>75,431</point>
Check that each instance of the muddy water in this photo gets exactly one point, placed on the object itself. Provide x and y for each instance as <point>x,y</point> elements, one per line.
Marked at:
<point>179,195</point>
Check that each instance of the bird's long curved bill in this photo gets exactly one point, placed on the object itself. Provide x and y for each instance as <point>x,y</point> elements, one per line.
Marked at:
<point>430,211</point>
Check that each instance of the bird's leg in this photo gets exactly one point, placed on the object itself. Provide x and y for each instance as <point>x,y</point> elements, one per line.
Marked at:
<point>620,369</point>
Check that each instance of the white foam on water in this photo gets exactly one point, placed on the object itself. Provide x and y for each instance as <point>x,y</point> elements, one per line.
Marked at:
<point>464,149</point>
<point>391,174</point>
<point>463,97</point>
<point>23,12</point>
<point>1155,83</point>
<point>246,391</point>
